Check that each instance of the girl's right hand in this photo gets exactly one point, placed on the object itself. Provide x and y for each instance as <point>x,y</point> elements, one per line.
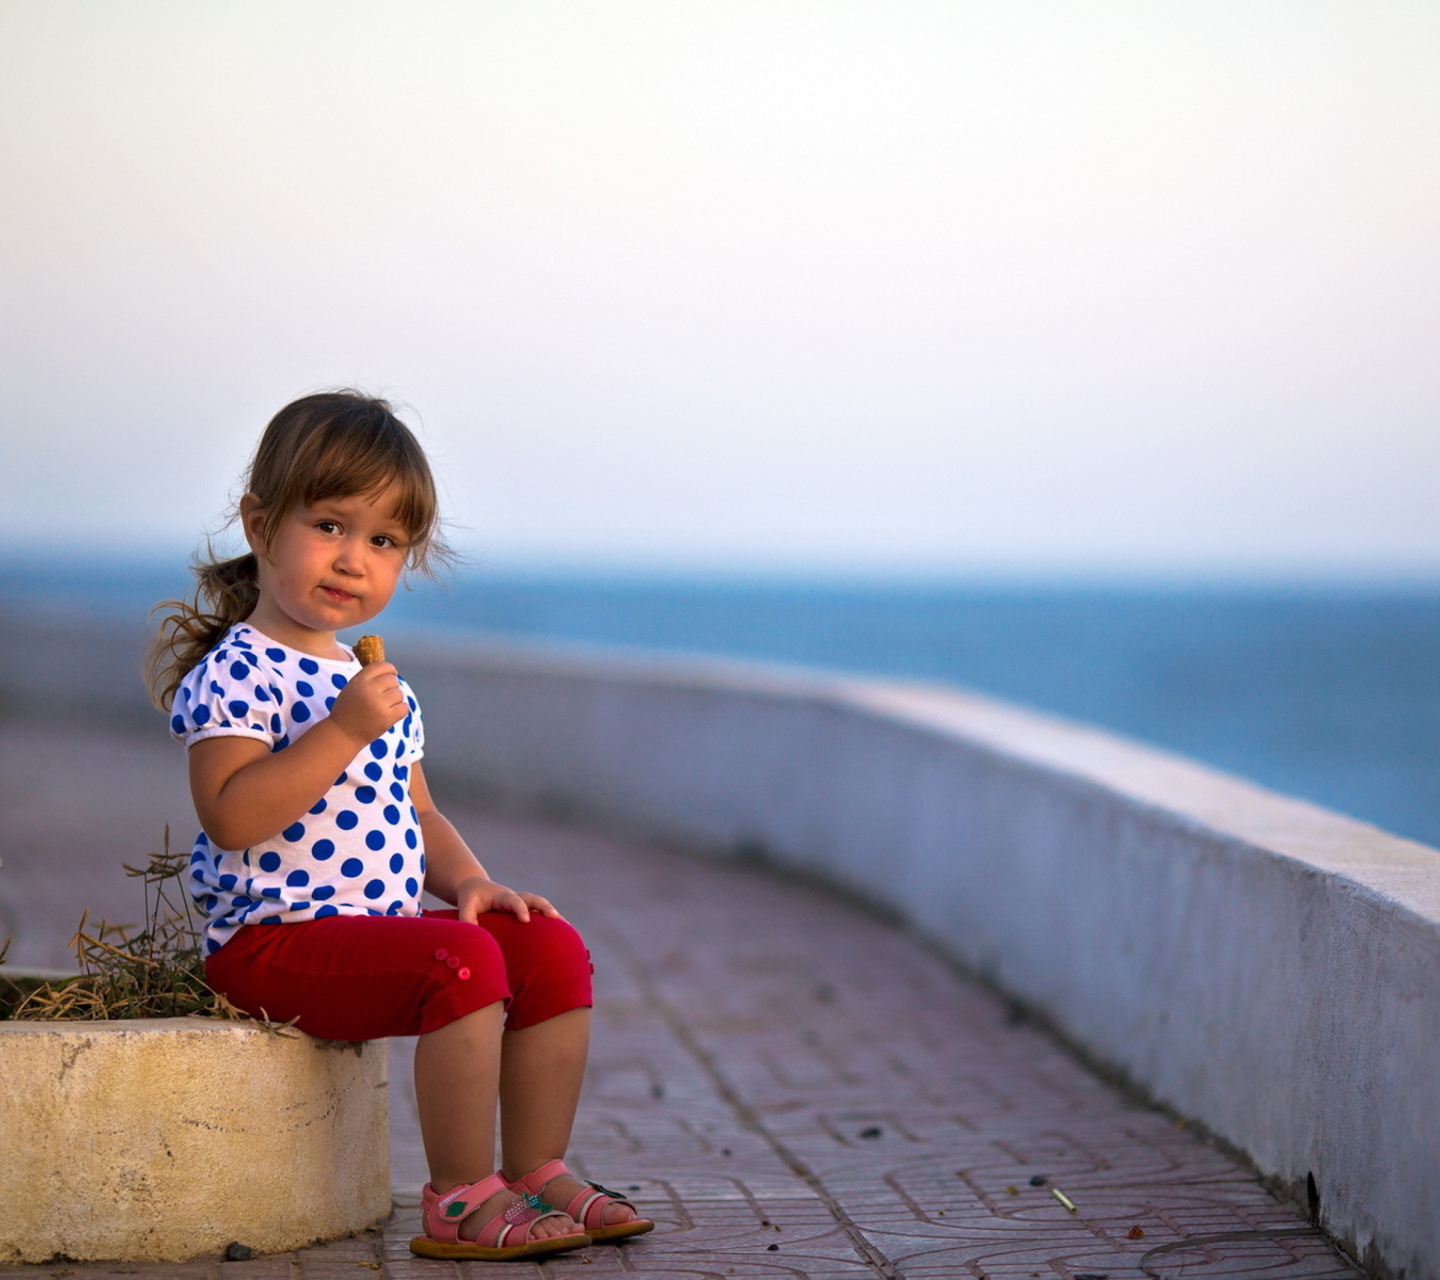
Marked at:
<point>370,703</point>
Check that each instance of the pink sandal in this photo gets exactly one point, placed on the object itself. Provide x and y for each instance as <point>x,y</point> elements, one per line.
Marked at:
<point>588,1207</point>
<point>441,1217</point>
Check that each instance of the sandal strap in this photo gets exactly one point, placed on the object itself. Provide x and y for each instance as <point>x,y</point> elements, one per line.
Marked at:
<point>523,1214</point>
<point>443,1214</point>
<point>537,1178</point>
<point>597,1198</point>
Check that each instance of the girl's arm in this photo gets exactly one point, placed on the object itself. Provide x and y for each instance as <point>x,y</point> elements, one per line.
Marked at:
<point>452,872</point>
<point>245,793</point>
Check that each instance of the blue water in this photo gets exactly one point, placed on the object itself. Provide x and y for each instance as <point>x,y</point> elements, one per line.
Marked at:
<point>1330,694</point>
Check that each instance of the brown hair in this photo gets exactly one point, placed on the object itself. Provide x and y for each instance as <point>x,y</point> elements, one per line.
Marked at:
<point>331,445</point>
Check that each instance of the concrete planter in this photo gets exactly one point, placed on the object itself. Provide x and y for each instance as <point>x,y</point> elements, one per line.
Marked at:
<point>159,1140</point>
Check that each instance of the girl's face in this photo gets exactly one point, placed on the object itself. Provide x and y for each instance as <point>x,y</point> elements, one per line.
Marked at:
<point>327,567</point>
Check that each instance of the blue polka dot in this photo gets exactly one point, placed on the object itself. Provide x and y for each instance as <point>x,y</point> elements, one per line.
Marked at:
<point>375,840</point>
<point>397,791</point>
<point>299,906</point>
<point>202,838</point>
<point>281,742</point>
<point>250,658</point>
<point>319,806</point>
<point>296,879</point>
<point>202,714</point>
<point>261,693</point>
<point>422,864</point>
<point>239,643</point>
<point>395,908</point>
<point>211,946</point>
<point>375,888</point>
<point>238,708</point>
<point>396,862</point>
<point>413,705</point>
<point>340,781</point>
<point>322,849</point>
<point>278,695</point>
<point>304,689</point>
<point>301,712</point>
<point>241,902</point>
<point>271,919</point>
<point>351,867</point>
<point>197,856</point>
<point>329,704</point>
<point>272,891</point>
<point>411,886</point>
<point>414,817</point>
<point>207,903</point>
<point>270,861</point>
<point>198,875</point>
<point>365,794</point>
<point>275,655</point>
<point>402,770</point>
<point>216,687</point>
<point>309,666</point>
<point>392,815</point>
<point>239,671</point>
<point>184,695</point>
<point>405,727</point>
<point>276,724</point>
<point>227,882</point>
<point>346,820</point>
<point>379,748</point>
<point>326,910</point>
<point>339,681</point>
<point>410,838</point>
<point>295,831</point>
<point>323,892</point>
<point>374,772</point>
<point>177,724</point>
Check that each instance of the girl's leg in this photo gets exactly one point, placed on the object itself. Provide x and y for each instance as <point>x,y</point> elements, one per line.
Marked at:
<point>542,1067</point>
<point>541,1070</point>
<point>457,1076</point>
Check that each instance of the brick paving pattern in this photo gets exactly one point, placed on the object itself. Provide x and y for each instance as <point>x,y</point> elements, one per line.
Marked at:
<point>793,1088</point>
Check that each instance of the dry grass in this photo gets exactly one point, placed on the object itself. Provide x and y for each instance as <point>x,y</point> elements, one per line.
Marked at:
<point>151,970</point>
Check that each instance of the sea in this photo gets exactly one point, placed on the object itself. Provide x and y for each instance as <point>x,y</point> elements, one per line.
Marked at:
<point>1327,692</point>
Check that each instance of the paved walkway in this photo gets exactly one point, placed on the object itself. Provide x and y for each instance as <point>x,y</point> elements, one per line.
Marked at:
<point>793,1088</point>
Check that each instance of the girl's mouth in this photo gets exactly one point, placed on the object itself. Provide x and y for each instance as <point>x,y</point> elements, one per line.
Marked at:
<point>338,596</point>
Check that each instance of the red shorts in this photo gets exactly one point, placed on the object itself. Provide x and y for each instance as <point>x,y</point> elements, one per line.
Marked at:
<point>366,977</point>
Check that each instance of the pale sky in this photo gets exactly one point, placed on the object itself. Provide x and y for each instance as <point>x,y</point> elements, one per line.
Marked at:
<point>942,287</point>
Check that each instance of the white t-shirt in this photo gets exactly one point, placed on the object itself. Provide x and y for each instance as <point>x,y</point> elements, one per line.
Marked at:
<point>358,850</point>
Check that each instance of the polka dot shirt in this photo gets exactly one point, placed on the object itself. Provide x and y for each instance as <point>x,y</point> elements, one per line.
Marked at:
<point>357,851</point>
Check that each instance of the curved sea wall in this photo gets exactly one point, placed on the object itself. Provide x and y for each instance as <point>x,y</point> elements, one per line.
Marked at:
<point>1259,964</point>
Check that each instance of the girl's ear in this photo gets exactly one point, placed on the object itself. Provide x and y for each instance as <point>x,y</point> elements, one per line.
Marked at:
<point>252,523</point>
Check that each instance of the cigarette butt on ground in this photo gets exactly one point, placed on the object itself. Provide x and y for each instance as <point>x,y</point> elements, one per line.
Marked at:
<point>1064,1199</point>
<point>370,649</point>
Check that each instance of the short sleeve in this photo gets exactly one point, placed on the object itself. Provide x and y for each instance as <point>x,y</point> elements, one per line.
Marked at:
<point>227,695</point>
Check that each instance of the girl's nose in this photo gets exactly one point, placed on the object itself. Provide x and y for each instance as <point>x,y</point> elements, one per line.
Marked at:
<point>350,558</point>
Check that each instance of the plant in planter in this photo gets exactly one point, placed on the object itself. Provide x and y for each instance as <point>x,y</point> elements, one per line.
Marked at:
<point>152,970</point>
<point>145,1118</point>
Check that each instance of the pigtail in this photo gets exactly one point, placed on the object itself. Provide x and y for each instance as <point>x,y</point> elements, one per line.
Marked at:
<point>226,592</point>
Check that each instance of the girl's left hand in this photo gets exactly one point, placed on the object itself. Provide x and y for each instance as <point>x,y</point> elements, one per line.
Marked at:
<point>477,895</point>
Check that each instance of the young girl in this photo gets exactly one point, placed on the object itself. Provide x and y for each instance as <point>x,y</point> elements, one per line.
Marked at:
<point>320,833</point>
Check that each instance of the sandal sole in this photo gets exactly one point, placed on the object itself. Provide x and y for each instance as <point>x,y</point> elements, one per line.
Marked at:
<point>621,1230</point>
<point>425,1247</point>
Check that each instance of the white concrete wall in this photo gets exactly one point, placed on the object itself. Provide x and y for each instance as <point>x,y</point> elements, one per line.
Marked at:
<point>1260,964</point>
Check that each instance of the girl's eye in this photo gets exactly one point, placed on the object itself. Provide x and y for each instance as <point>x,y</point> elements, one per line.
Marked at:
<point>384,540</point>
<point>327,526</point>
